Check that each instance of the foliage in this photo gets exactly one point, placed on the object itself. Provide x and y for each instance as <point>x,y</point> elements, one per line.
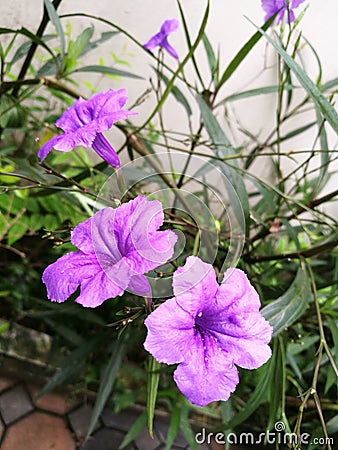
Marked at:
<point>290,243</point>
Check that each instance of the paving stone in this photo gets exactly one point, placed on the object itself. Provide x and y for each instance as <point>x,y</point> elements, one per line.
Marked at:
<point>52,401</point>
<point>2,429</point>
<point>121,421</point>
<point>106,439</point>
<point>14,404</point>
<point>161,426</point>
<point>145,442</point>
<point>5,383</point>
<point>38,431</point>
<point>80,420</point>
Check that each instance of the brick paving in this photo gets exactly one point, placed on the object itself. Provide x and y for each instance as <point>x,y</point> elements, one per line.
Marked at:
<point>57,422</point>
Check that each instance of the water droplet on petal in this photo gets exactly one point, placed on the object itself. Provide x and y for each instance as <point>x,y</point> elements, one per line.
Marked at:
<point>230,366</point>
<point>62,271</point>
<point>220,349</point>
<point>204,348</point>
<point>244,304</point>
<point>206,358</point>
<point>199,314</point>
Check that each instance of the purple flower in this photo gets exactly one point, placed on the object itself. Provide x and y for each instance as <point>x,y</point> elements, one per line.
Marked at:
<point>272,6</point>
<point>84,122</point>
<point>161,39</point>
<point>207,328</point>
<point>116,248</point>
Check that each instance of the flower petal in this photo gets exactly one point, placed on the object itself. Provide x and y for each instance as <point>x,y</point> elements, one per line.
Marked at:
<point>63,277</point>
<point>169,26</point>
<point>48,146</point>
<point>70,120</point>
<point>153,42</point>
<point>234,319</point>
<point>139,285</point>
<point>102,147</point>
<point>169,48</point>
<point>95,290</point>
<point>130,231</point>
<point>151,247</point>
<point>194,285</point>
<point>170,332</point>
<point>207,373</point>
<point>81,237</point>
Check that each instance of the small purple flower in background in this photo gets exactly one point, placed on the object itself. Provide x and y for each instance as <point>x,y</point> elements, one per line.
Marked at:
<point>116,248</point>
<point>84,122</point>
<point>207,328</point>
<point>161,39</point>
<point>272,6</point>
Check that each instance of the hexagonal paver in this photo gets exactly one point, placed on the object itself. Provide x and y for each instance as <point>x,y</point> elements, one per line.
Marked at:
<point>5,383</point>
<point>52,401</point>
<point>80,420</point>
<point>38,431</point>
<point>121,421</point>
<point>14,404</point>
<point>144,441</point>
<point>105,439</point>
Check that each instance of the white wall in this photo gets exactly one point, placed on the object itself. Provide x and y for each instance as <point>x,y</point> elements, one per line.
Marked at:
<point>227,28</point>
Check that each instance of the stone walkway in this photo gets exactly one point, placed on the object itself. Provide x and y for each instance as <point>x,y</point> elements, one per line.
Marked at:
<point>58,422</point>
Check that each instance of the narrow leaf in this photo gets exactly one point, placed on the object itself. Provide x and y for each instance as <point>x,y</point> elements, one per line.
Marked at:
<point>108,70</point>
<point>152,386</point>
<point>222,147</point>
<point>177,94</point>
<point>71,366</point>
<point>54,18</point>
<point>323,104</point>
<point>186,427</point>
<point>187,36</point>
<point>135,430</point>
<point>256,398</point>
<point>247,47</point>
<point>285,310</point>
<point>212,60</point>
<point>173,427</point>
<point>105,36</point>
<point>106,383</point>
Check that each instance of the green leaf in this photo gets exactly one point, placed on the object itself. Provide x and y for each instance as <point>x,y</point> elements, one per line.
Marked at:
<point>54,18</point>
<point>173,426</point>
<point>76,48</point>
<point>321,102</point>
<point>212,60</point>
<point>135,430</point>
<point>223,147</point>
<point>276,388</point>
<point>247,47</point>
<point>105,36</point>
<point>177,94</point>
<point>256,398</point>
<point>152,387</point>
<point>186,427</point>
<point>189,45</point>
<point>257,91</point>
<point>23,49</point>
<point>25,32</point>
<point>71,366</point>
<point>18,230</point>
<point>107,382</point>
<point>108,70</point>
<point>285,310</point>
